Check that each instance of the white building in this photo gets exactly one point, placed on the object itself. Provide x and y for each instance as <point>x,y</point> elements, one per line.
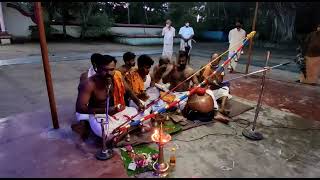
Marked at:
<point>14,22</point>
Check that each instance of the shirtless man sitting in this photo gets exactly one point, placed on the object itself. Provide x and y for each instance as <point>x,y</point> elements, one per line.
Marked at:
<point>161,70</point>
<point>129,63</point>
<point>220,91</point>
<point>92,96</point>
<point>180,72</point>
<point>82,126</point>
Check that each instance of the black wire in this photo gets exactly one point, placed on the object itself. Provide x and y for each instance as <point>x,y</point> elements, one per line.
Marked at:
<point>210,134</point>
<point>247,124</point>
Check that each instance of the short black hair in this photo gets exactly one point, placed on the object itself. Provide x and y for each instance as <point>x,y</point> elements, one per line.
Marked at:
<point>145,60</point>
<point>128,56</point>
<point>95,57</point>
<point>182,54</point>
<point>106,59</point>
<point>238,21</point>
<point>163,59</point>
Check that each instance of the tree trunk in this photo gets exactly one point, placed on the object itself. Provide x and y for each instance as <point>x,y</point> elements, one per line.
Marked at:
<point>283,26</point>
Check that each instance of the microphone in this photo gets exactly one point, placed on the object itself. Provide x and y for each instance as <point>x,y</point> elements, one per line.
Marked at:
<point>108,85</point>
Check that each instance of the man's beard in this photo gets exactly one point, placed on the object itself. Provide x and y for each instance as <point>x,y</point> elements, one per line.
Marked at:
<point>182,66</point>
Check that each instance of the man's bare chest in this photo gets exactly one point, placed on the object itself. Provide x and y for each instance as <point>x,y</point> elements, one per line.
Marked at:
<point>100,93</point>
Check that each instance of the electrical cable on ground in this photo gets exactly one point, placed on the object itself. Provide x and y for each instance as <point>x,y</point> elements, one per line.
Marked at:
<point>247,124</point>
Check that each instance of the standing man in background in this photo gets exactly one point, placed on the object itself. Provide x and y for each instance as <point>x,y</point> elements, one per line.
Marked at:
<point>186,34</point>
<point>236,36</point>
<point>311,52</point>
<point>168,33</point>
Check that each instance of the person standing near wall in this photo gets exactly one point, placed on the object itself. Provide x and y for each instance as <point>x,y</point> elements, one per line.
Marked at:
<point>186,34</point>
<point>168,33</point>
<point>236,35</point>
<point>311,52</point>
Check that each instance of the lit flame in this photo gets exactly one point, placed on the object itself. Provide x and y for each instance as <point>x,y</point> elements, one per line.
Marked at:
<point>156,137</point>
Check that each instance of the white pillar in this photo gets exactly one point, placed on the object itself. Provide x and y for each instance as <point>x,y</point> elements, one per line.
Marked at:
<point>3,28</point>
<point>3,40</point>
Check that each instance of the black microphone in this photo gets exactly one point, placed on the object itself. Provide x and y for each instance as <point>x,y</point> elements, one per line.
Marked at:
<point>108,84</point>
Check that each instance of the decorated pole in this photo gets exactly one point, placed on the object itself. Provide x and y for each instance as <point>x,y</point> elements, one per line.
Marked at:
<point>192,91</point>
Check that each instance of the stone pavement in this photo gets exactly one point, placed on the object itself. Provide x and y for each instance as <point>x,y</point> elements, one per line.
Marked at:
<point>25,124</point>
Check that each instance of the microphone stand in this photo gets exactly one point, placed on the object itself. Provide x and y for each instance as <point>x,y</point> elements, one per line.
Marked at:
<point>105,153</point>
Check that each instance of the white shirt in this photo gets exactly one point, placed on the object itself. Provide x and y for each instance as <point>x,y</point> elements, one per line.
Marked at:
<point>91,72</point>
<point>186,32</point>
<point>235,36</point>
<point>147,83</point>
<point>168,35</point>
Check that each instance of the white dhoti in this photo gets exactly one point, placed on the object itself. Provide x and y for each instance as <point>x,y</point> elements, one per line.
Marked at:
<point>183,103</point>
<point>221,92</point>
<point>234,61</point>
<point>167,50</point>
<point>114,121</point>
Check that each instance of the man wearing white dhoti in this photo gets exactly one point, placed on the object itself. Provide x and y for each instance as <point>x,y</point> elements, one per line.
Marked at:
<point>91,101</point>
<point>235,37</point>
<point>168,33</point>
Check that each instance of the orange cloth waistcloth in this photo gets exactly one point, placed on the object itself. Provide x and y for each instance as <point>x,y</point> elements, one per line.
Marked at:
<point>119,89</point>
<point>135,81</point>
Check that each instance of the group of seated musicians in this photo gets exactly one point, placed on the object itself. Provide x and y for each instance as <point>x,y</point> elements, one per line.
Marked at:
<point>128,89</point>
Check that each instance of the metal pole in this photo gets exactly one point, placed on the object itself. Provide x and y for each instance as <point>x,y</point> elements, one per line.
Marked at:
<point>46,65</point>
<point>260,95</point>
<point>251,133</point>
<point>251,40</point>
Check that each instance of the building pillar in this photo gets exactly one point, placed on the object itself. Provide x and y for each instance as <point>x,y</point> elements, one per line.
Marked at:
<point>3,28</point>
<point>4,36</point>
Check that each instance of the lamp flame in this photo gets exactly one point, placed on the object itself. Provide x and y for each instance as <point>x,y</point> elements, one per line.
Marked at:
<point>156,137</point>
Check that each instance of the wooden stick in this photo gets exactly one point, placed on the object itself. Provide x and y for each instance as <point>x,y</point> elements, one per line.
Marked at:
<point>46,65</point>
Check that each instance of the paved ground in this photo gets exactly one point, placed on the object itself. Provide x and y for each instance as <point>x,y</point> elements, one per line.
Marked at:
<point>283,153</point>
<point>29,147</point>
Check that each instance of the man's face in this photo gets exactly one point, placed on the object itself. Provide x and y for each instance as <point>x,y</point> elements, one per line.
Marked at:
<point>182,62</point>
<point>130,63</point>
<point>318,28</point>
<point>187,24</point>
<point>238,26</point>
<point>106,71</point>
<point>168,23</point>
<point>216,62</point>
<point>145,69</point>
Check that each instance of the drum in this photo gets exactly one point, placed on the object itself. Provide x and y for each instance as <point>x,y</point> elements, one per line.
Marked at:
<point>202,104</point>
<point>199,107</point>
